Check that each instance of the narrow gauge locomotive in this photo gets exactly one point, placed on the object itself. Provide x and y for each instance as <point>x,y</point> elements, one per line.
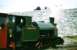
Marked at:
<point>19,31</point>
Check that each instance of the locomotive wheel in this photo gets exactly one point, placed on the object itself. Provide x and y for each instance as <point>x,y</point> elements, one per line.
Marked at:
<point>44,43</point>
<point>39,44</point>
<point>52,43</point>
<point>56,41</point>
<point>59,40</point>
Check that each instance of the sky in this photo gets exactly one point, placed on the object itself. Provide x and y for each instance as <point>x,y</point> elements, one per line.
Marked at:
<point>29,5</point>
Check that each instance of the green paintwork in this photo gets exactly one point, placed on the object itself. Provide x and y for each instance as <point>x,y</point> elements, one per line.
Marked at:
<point>30,33</point>
<point>45,26</point>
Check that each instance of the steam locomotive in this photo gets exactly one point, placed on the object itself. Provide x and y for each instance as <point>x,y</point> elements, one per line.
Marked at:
<point>19,31</point>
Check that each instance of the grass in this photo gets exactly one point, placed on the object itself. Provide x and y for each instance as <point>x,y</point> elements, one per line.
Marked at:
<point>72,37</point>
